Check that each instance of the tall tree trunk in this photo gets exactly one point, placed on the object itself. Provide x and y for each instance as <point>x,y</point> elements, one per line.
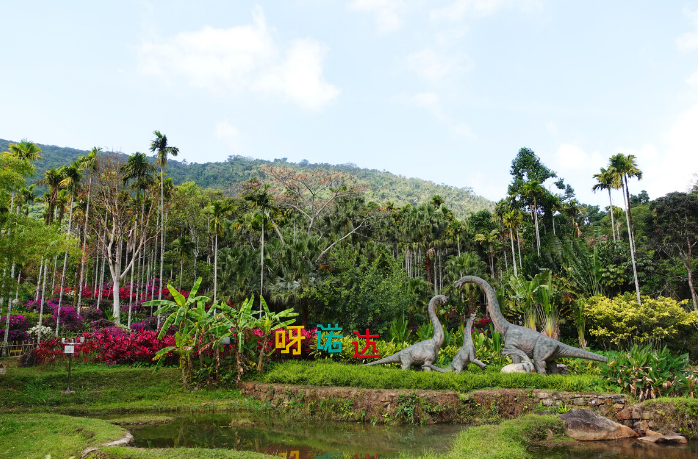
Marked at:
<point>630,237</point>
<point>261,276</point>
<point>215,270</point>
<point>518,244</point>
<point>687,265</point>
<point>65,265</point>
<point>38,280</point>
<point>610,209</point>
<point>84,246</point>
<point>41,307</point>
<point>513,253</point>
<point>535,218</point>
<point>162,236</point>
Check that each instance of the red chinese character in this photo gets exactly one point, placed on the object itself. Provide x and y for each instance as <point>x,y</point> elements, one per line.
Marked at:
<point>369,343</point>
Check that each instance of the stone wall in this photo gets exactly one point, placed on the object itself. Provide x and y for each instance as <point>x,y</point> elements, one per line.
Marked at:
<point>666,417</point>
<point>383,405</point>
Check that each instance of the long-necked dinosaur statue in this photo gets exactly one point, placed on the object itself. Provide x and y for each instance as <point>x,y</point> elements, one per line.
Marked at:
<point>466,354</point>
<point>425,352</point>
<point>521,341</point>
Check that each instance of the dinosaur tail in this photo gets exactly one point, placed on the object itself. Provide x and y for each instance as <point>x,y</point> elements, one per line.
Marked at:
<point>439,369</point>
<point>564,350</point>
<point>395,358</point>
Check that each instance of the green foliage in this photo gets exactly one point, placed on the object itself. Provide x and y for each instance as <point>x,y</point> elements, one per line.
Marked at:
<point>60,436</point>
<point>398,330</point>
<point>621,321</point>
<point>362,292</point>
<point>647,373</point>
<point>320,373</point>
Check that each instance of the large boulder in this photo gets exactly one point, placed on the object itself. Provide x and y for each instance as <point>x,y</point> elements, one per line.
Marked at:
<point>588,425</point>
<point>523,367</point>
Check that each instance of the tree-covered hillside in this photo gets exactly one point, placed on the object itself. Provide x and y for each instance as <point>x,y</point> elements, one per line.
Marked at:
<point>381,187</point>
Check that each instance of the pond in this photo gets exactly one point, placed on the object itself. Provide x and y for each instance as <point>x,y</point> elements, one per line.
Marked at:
<point>298,440</point>
<point>334,440</point>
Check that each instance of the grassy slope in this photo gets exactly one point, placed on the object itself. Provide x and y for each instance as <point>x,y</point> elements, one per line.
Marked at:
<point>101,389</point>
<point>177,453</point>
<point>380,377</point>
<point>60,436</point>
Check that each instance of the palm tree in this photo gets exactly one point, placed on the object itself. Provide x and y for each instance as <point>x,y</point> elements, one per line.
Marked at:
<point>218,210</point>
<point>70,182</point>
<point>25,150</point>
<point>27,196</point>
<point>160,147</point>
<point>139,169</point>
<point>52,179</point>
<point>606,181</point>
<point>489,239</point>
<point>88,163</point>
<point>625,167</point>
<point>512,220</point>
<point>262,199</point>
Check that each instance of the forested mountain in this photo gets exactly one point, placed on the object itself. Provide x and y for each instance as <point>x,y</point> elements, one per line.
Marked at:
<point>379,186</point>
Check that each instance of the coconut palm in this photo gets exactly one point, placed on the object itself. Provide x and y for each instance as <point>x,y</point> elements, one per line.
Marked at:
<point>25,150</point>
<point>490,239</point>
<point>624,168</point>
<point>160,147</point>
<point>263,200</point>
<point>140,170</point>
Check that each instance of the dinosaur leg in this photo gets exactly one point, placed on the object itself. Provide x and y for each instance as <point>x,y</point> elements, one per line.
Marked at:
<point>551,367</point>
<point>540,356</point>
<point>406,361</point>
<point>427,365</point>
<point>478,363</point>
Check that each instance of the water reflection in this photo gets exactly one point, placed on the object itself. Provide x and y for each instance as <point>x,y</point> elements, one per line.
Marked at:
<point>618,449</point>
<point>295,440</point>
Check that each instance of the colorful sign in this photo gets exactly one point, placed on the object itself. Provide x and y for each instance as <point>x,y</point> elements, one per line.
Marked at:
<point>369,343</point>
<point>331,337</point>
<point>280,339</point>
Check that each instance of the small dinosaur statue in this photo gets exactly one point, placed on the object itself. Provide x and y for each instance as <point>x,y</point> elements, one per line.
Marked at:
<point>521,342</point>
<point>425,352</point>
<point>466,354</point>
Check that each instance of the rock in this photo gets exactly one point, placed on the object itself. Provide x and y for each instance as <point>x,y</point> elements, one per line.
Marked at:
<point>630,413</point>
<point>650,433</point>
<point>583,424</point>
<point>664,439</point>
<point>523,367</point>
<point>28,359</point>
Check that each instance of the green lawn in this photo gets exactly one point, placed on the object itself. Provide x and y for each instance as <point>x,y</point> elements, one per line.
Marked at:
<point>321,373</point>
<point>101,389</point>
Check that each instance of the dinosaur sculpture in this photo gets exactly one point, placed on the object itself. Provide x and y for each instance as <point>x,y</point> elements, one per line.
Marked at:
<point>466,354</point>
<point>425,352</point>
<point>524,343</point>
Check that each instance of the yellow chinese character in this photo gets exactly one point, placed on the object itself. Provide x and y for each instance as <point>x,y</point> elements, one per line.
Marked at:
<point>280,339</point>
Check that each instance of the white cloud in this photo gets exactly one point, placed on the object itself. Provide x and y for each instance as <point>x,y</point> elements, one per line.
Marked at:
<point>228,134</point>
<point>461,9</point>
<point>434,67</point>
<point>693,79</point>
<point>689,40</point>
<point>387,13</point>
<point>432,103</point>
<point>551,127</point>
<point>242,58</point>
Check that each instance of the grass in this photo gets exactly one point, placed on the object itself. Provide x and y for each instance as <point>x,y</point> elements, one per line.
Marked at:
<point>135,419</point>
<point>38,435</point>
<point>102,389</point>
<point>508,440</point>
<point>319,373</point>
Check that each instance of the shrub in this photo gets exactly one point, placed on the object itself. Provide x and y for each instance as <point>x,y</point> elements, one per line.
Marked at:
<point>18,328</point>
<point>621,321</point>
<point>91,314</point>
<point>69,320</point>
<point>646,373</point>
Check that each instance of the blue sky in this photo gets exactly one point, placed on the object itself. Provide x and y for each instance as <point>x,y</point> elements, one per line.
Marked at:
<point>441,90</point>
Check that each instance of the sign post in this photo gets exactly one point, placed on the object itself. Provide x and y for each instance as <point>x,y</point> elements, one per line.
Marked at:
<point>69,348</point>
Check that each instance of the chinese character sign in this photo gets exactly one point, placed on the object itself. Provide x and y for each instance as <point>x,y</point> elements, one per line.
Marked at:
<point>280,339</point>
<point>329,338</point>
<point>369,344</point>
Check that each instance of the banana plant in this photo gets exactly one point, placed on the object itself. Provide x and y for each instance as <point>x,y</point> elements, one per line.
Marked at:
<point>269,321</point>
